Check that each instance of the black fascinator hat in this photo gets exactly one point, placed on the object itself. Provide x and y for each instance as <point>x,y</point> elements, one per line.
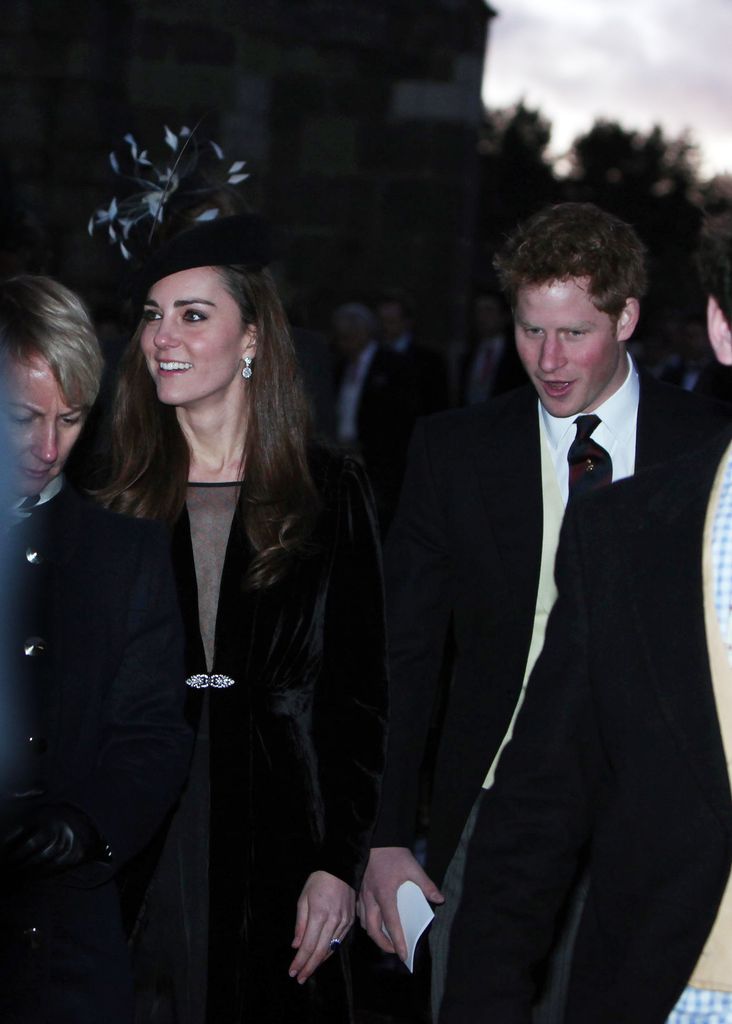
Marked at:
<point>244,239</point>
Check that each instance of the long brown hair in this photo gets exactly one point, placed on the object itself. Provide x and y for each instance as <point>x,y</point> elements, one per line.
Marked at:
<point>151,458</point>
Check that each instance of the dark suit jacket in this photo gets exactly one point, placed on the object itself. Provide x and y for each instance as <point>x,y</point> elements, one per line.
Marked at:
<point>715,381</point>
<point>430,378</point>
<point>386,415</point>
<point>617,748</point>
<point>509,373</point>
<point>97,724</point>
<point>464,553</point>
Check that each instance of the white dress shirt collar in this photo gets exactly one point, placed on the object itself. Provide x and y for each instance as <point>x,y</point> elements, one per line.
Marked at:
<point>616,431</point>
<point>618,413</point>
<point>49,491</point>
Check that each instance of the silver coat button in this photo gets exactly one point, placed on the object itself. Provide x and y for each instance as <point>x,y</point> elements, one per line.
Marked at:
<point>34,646</point>
<point>33,556</point>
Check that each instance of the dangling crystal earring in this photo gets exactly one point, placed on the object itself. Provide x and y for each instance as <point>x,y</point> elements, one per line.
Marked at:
<point>246,371</point>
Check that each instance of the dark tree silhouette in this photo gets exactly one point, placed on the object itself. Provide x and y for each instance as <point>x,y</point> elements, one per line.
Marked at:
<point>652,182</point>
<point>648,179</point>
<point>516,177</point>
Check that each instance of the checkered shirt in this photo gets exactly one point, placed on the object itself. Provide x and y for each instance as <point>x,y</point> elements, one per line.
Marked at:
<point>697,1005</point>
<point>700,1006</point>
<point>722,558</point>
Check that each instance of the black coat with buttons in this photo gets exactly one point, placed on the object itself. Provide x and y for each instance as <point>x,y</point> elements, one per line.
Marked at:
<point>94,722</point>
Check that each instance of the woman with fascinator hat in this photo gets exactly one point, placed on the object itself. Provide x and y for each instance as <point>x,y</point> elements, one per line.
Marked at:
<point>277,561</point>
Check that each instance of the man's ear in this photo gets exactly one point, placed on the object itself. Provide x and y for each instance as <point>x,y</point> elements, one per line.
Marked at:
<point>720,334</point>
<point>628,319</point>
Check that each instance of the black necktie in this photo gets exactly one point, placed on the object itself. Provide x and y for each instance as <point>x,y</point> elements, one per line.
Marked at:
<point>590,465</point>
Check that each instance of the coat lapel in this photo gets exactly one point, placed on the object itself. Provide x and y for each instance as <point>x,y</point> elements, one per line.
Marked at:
<point>237,607</point>
<point>666,541</point>
<point>506,459</point>
<point>187,587</point>
<point>655,431</point>
<point>185,576</point>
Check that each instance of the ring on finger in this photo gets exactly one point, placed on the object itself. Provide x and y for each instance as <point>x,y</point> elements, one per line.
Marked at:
<point>334,944</point>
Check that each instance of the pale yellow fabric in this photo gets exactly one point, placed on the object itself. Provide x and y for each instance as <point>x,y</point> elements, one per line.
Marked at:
<point>714,969</point>
<point>546,595</point>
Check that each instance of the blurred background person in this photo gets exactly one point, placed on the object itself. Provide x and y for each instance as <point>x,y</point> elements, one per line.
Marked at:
<point>396,314</point>
<point>689,351</point>
<point>376,402</point>
<point>491,365</point>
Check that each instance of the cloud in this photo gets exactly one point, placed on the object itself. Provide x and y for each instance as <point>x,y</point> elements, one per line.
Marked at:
<point>640,62</point>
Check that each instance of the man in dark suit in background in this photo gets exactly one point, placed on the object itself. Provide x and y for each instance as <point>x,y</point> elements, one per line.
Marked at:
<point>376,402</point>
<point>491,365</point>
<point>472,546</point>
<point>395,311</point>
<point>623,748</point>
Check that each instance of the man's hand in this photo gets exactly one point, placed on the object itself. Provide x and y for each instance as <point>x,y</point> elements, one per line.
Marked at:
<point>387,868</point>
<point>325,911</point>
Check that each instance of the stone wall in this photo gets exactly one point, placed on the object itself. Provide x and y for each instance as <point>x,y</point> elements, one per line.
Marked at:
<point>358,122</point>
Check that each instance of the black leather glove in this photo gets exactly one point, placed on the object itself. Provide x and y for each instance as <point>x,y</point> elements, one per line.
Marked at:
<point>50,839</point>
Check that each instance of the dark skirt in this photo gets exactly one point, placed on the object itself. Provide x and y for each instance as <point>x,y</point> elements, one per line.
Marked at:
<point>212,944</point>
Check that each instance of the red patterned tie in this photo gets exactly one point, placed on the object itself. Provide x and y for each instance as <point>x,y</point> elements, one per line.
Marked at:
<point>590,465</point>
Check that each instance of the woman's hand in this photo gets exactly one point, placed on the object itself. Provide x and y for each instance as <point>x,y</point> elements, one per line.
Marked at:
<point>325,911</point>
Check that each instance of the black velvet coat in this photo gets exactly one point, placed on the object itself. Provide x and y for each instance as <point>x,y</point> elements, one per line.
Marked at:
<point>286,771</point>
<point>96,656</point>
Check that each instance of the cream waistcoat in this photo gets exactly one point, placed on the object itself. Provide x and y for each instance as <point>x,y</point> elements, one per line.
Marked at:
<point>714,969</point>
<point>546,595</point>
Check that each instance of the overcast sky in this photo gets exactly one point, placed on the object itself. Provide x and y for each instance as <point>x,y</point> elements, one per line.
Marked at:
<point>639,62</point>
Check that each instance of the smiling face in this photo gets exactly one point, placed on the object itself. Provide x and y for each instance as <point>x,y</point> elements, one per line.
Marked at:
<point>194,340</point>
<point>43,426</point>
<point>573,353</point>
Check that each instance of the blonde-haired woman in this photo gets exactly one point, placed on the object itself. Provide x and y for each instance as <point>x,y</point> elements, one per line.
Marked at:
<point>94,744</point>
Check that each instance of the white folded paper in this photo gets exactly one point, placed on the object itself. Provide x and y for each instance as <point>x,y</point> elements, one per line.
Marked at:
<point>415,914</point>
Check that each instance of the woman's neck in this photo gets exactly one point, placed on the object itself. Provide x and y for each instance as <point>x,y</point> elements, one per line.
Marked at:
<point>216,443</point>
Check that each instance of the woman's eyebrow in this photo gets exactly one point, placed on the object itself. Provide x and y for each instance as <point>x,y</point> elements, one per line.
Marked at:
<point>181,302</point>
